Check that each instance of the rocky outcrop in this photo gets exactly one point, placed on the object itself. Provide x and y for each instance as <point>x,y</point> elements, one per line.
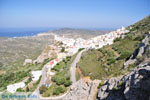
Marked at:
<point>84,89</point>
<point>134,85</point>
<point>143,52</point>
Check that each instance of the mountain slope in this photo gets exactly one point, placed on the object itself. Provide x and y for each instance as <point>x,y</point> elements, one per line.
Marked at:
<point>132,86</point>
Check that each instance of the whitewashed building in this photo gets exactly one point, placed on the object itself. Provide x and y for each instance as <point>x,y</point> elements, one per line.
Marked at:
<point>12,88</point>
<point>36,75</point>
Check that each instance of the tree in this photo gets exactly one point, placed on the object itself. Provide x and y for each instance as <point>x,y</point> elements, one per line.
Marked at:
<point>81,49</point>
<point>19,90</point>
<point>58,90</point>
<point>42,89</point>
<point>63,49</point>
<point>27,89</point>
<point>67,83</point>
<point>110,61</point>
<point>60,81</point>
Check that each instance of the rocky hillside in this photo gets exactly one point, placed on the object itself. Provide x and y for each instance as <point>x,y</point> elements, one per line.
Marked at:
<point>84,89</point>
<point>134,85</point>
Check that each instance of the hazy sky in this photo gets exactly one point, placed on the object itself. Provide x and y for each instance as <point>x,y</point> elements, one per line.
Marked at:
<point>72,13</point>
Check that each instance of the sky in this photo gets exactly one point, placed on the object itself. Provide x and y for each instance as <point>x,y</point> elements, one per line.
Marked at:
<point>72,13</point>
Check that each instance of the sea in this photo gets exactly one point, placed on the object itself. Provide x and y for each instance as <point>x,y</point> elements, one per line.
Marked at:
<point>22,32</point>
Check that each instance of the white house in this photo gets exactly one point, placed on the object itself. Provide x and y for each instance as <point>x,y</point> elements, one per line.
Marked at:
<point>36,75</point>
<point>12,88</point>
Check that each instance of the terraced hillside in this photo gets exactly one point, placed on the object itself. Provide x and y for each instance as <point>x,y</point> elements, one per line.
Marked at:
<point>108,61</point>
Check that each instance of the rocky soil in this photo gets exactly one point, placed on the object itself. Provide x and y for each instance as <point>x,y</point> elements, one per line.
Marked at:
<point>84,89</point>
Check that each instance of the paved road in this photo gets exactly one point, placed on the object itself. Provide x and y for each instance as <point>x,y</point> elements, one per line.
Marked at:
<point>73,67</point>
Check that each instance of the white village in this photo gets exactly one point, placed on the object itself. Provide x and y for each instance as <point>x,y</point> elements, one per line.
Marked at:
<point>70,47</point>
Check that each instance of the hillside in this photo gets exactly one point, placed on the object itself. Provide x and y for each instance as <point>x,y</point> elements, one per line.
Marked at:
<point>109,60</point>
<point>13,51</point>
<point>134,85</point>
<point>77,33</point>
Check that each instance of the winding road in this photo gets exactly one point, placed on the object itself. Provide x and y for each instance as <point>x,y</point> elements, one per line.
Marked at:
<point>73,67</point>
<point>43,79</point>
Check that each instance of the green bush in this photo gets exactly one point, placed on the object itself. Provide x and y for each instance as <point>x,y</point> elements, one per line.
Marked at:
<point>117,39</point>
<point>27,89</point>
<point>20,90</point>
<point>54,78</point>
<point>129,36</point>
<point>101,84</point>
<point>139,38</point>
<point>63,49</point>
<point>42,89</point>
<point>81,49</point>
<point>58,79</point>
<point>57,68</point>
<point>28,81</point>
<point>111,61</point>
<point>67,83</point>
<point>124,55</point>
<point>58,90</point>
<point>120,84</point>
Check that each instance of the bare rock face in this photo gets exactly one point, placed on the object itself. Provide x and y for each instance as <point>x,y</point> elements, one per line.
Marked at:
<point>27,61</point>
<point>134,86</point>
<point>84,89</point>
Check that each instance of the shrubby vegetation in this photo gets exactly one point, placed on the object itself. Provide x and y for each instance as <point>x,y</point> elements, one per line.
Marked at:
<point>117,39</point>
<point>35,85</point>
<point>20,90</point>
<point>81,49</point>
<point>10,78</point>
<point>61,80</point>
<point>19,75</point>
<point>42,89</point>
<point>101,84</point>
<point>28,81</point>
<point>63,49</point>
<point>58,90</point>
